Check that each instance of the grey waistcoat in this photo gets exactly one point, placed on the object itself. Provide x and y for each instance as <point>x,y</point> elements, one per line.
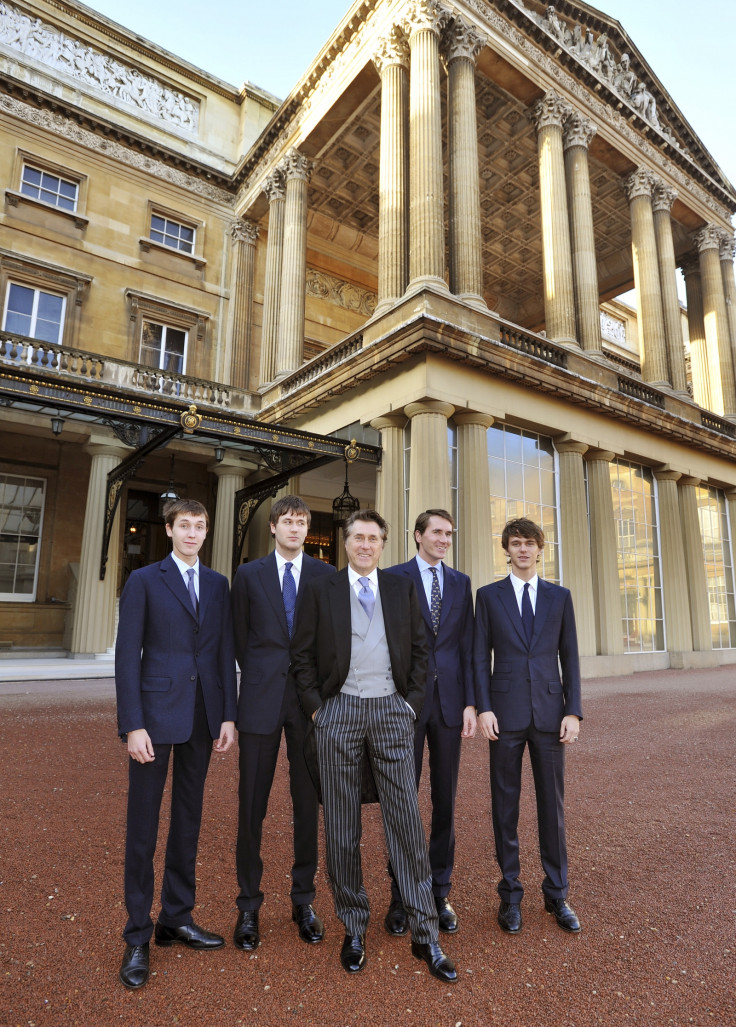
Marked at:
<point>370,663</point>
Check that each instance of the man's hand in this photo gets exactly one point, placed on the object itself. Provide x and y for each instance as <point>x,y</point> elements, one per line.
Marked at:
<point>469,722</point>
<point>569,729</point>
<point>488,726</point>
<point>140,746</point>
<point>227,736</point>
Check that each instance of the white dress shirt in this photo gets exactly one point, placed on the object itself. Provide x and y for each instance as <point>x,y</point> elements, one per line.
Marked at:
<point>519,590</point>
<point>296,568</point>
<point>184,568</point>
<point>354,579</point>
<point>425,569</point>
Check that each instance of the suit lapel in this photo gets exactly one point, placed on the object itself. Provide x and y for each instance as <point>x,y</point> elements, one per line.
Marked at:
<point>544,601</point>
<point>268,574</point>
<point>339,600</point>
<point>449,593</point>
<point>171,577</point>
<point>416,575</point>
<point>206,584</point>
<point>508,601</point>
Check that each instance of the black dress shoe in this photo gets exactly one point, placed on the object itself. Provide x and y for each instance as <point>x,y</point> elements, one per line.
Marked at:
<point>134,968</point>
<point>439,965</point>
<point>447,916</point>
<point>509,917</point>
<point>311,928</point>
<point>565,917</point>
<point>352,953</point>
<point>396,921</point>
<point>188,934</point>
<point>246,935</point>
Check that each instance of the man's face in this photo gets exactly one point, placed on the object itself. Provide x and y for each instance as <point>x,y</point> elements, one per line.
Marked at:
<point>187,534</point>
<point>289,531</point>
<point>364,546</point>
<point>523,554</point>
<point>434,543</point>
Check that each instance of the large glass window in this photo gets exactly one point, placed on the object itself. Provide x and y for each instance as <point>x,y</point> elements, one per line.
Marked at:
<point>33,312</point>
<point>53,189</point>
<point>521,466</point>
<point>163,347</point>
<point>718,556</point>
<point>637,535</point>
<point>21,515</point>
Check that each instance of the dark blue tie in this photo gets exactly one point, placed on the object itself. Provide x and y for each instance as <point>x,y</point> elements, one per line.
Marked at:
<point>288,591</point>
<point>435,606</point>
<point>191,590</point>
<point>527,614</point>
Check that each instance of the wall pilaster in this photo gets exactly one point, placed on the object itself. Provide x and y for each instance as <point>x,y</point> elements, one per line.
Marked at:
<point>390,485</point>
<point>275,190</point>
<point>603,554</point>
<point>577,573</point>
<point>244,234</point>
<point>697,583</point>
<point>674,576</point>
<point>473,546</point>
<point>290,349</point>
<point>577,133</point>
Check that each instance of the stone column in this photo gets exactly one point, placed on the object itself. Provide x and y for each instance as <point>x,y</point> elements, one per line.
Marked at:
<point>577,133</point>
<point>429,463</point>
<point>392,63</point>
<point>275,190</point>
<point>461,44</point>
<point>603,554</point>
<point>548,116</point>
<point>652,344</point>
<point>94,611</point>
<point>674,575</point>
<point>697,582</point>
<point>699,369</point>
<point>474,554</point>
<point>662,199</point>
<point>390,486</point>
<point>424,21</point>
<point>230,478</point>
<point>290,349</point>
<point>244,234</point>
<point>717,335</point>
<point>577,573</point>
<point>726,251</point>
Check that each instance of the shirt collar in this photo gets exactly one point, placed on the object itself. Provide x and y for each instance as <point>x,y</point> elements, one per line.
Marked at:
<point>184,567</point>
<point>353,576</point>
<point>296,563</point>
<point>424,566</point>
<point>519,584</point>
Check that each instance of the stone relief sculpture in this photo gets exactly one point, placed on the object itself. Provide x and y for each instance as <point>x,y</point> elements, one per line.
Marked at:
<point>44,42</point>
<point>339,292</point>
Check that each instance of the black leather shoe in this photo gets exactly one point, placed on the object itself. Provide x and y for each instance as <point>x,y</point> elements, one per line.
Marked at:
<point>509,917</point>
<point>396,921</point>
<point>311,928</point>
<point>439,965</point>
<point>134,969</point>
<point>352,953</point>
<point>565,917</point>
<point>246,935</point>
<point>188,934</point>
<point>447,916</point>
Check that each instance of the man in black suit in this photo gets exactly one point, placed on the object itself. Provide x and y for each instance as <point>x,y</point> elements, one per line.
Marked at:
<point>266,601</point>
<point>528,626</point>
<point>448,713</point>
<point>176,691</point>
<point>359,655</point>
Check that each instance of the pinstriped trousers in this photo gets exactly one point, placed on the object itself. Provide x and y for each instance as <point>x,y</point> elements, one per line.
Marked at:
<point>342,725</point>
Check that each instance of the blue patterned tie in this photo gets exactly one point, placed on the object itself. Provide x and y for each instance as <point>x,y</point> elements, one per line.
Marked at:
<point>191,590</point>
<point>435,606</point>
<point>527,614</point>
<point>365,597</point>
<point>288,591</point>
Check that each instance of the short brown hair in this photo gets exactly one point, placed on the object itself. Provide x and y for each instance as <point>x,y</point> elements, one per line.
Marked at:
<point>185,506</point>
<point>289,504</point>
<point>372,516</point>
<point>422,522</point>
<point>522,527</point>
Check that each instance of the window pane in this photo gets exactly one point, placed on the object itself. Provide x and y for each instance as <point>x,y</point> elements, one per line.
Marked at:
<point>32,176</point>
<point>20,300</point>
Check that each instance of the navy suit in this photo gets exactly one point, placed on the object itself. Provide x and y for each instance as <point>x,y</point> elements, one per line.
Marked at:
<point>175,677</point>
<point>531,687</point>
<point>449,689</point>
<point>268,704</point>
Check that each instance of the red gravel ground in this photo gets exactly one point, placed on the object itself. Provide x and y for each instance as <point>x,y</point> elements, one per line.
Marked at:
<point>651,833</point>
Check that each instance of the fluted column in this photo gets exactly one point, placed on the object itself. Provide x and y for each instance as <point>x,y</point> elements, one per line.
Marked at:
<point>244,234</point>
<point>603,554</point>
<point>548,116</point>
<point>577,573</point>
<point>275,190</point>
<point>674,575</point>
<point>423,24</point>
<point>429,462</point>
<point>662,199</point>
<point>697,583</point>
<point>290,349</point>
<point>390,486</point>
<point>715,318</point>
<point>473,547</point>
<point>577,133</point>
<point>652,343</point>
<point>392,63</point>
<point>699,368</point>
<point>461,44</point>
<point>726,252</point>
<point>94,610</point>
<point>230,478</point>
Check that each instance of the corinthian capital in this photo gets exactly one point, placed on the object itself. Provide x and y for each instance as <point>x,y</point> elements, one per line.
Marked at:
<point>662,196</point>
<point>551,110</point>
<point>461,40</point>
<point>578,130</point>
<point>708,238</point>
<point>244,230</point>
<point>425,15</point>
<point>392,49</point>
<point>274,187</point>
<point>638,183</point>
<point>296,165</point>
<point>727,247</point>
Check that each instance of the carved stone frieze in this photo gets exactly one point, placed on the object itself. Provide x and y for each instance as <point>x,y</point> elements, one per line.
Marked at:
<point>343,294</point>
<point>551,110</point>
<point>613,329</point>
<point>392,49</point>
<point>45,43</point>
<point>244,230</point>
<point>578,130</point>
<point>639,183</point>
<point>662,196</point>
<point>460,39</point>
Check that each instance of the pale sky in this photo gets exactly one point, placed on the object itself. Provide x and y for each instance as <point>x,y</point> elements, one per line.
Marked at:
<point>689,47</point>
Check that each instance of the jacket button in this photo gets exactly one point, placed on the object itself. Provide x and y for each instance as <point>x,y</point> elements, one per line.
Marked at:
<point>193,677</point>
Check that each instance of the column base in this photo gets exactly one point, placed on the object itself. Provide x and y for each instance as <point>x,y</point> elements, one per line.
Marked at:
<point>428,282</point>
<point>473,299</point>
<point>567,340</point>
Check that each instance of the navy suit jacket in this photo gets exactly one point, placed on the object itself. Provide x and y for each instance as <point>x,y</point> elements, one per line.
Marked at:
<point>537,682</point>
<point>450,664</point>
<point>162,648</point>
<point>262,638</point>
